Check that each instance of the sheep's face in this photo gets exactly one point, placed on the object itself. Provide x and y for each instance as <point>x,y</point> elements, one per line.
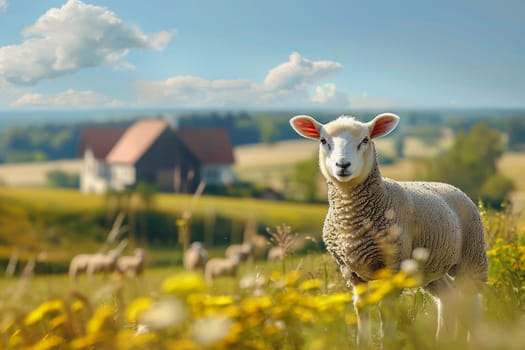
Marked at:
<point>346,149</point>
<point>344,146</point>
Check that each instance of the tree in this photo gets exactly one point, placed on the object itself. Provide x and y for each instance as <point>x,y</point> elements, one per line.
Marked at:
<point>516,132</point>
<point>471,165</point>
<point>305,175</point>
<point>60,178</point>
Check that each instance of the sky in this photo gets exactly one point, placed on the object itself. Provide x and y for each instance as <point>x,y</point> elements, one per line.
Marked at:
<point>244,54</point>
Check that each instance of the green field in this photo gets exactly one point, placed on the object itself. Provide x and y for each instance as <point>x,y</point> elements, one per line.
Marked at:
<point>301,303</point>
<point>306,307</point>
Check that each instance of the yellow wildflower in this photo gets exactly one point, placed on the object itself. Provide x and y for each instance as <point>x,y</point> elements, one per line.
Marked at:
<point>275,276</point>
<point>42,310</point>
<point>361,289</point>
<point>48,342</point>
<point>103,314</point>
<point>303,315</point>
<point>86,342</point>
<point>312,284</point>
<point>383,274</point>
<point>292,278</point>
<point>255,304</point>
<point>221,300</point>
<point>130,340</point>
<point>184,284</point>
<point>326,302</point>
<point>378,293</point>
<point>58,321</point>
<point>136,307</point>
<point>77,305</point>
<point>15,339</point>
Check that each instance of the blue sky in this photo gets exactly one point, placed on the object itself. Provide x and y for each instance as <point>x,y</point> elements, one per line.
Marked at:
<point>244,54</point>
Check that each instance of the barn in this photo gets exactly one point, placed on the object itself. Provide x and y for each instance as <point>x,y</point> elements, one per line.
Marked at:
<point>151,151</point>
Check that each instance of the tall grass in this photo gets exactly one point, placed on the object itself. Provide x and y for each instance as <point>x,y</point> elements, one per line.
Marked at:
<point>308,307</point>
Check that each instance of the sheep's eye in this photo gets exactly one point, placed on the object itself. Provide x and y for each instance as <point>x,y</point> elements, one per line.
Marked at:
<point>323,141</point>
<point>364,142</point>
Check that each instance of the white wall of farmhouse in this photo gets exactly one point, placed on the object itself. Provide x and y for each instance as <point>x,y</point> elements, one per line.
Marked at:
<point>94,177</point>
<point>122,176</point>
<point>98,177</point>
<point>217,174</point>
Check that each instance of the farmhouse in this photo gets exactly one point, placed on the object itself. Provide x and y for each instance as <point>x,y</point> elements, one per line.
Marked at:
<point>153,152</point>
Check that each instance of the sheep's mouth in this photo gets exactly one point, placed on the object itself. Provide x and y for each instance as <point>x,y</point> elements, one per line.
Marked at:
<point>343,175</point>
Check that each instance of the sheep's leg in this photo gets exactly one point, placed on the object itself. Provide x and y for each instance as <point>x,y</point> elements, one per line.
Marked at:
<point>364,330</point>
<point>474,305</point>
<point>471,302</point>
<point>445,295</point>
<point>388,318</point>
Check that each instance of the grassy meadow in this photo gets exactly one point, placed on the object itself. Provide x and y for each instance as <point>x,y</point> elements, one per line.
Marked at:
<point>298,303</point>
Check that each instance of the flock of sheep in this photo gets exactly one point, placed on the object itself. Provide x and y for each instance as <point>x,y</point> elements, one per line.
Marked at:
<point>130,266</point>
<point>195,257</point>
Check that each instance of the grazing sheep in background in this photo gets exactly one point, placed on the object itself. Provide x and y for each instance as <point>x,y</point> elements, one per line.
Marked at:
<point>92,263</point>
<point>100,262</point>
<point>216,267</point>
<point>195,256</point>
<point>79,265</point>
<point>275,253</point>
<point>131,266</point>
<point>375,223</point>
<point>244,251</point>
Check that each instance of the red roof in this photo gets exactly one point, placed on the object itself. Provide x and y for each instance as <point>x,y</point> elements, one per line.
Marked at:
<point>99,140</point>
<point>210,145</point>
<point>136,141</point>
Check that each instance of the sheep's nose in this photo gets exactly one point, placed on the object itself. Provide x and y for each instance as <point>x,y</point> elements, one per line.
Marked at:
<point>343,164</point>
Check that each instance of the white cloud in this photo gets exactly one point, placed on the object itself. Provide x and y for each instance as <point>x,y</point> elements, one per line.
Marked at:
<point>289,83</point>
<point>324,93</point>
<point>298,72</point>
<point>75,36</point>
<point>66,99</point>
<point>3,5</point>
<point>194,91</point>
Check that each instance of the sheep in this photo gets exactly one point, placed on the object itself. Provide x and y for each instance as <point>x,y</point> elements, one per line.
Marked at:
<point>216,267</point>
<point>195,256</point>
<point>275,253</point>
<point>375,223</point>
<point>244,251</point>
<point>101,262</point>
<point>78,265</point>
<point>92,263</point>
<point>131,266</point>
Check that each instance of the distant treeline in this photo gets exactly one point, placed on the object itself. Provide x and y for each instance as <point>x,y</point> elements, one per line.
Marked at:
<point>61,141</point>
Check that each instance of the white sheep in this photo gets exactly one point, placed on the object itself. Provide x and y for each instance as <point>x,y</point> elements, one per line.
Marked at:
<point>102,262</point>
<point>275,253</point>
<point>244,251</point>
<point>92,263</point>
<point>375,223</point>
<point>78,265</point>
<point>216,267</point>
<point>195,256</point>
<point>131,266</point>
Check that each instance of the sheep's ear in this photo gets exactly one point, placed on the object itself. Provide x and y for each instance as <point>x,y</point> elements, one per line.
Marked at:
<point>306,126</point>
<point>383,124</point>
